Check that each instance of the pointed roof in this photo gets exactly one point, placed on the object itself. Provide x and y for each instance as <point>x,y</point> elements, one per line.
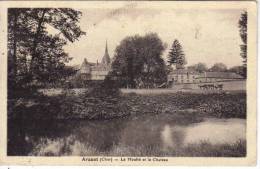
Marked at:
<point>85,67</point>
<point>106,58</point>
<point>85,62</point>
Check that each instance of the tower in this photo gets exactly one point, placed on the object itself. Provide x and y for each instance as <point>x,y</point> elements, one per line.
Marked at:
<point>106,59</point>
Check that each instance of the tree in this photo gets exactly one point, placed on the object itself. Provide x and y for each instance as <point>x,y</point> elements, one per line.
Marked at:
<point>218,67</point>
<point>51,61</point>
<point>176,55</point>
<point>237,69</point>
<point>33,52</point>
<point>19,43</point>
<point>138,61</point>
<point>242,24</point>
<point>199,67</point>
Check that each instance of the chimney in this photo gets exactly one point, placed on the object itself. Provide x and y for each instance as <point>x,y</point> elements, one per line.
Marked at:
<point>85,60</point>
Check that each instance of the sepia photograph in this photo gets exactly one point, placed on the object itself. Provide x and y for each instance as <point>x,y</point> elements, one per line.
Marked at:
<point>125,79</point>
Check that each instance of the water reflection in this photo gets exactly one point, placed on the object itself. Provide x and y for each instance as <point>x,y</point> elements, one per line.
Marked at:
<point>119,136</point>
<point>213,131</point>
<point>172,136</point>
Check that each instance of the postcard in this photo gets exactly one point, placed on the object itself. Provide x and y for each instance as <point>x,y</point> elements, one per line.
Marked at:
<point>128,83</point>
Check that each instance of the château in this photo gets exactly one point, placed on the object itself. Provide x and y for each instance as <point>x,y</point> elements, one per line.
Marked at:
<point>95,71</point>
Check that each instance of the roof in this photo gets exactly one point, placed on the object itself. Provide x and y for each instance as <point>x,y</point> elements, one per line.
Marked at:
<point>85,67</point>
<point>100,67</point>
<point>183,71</point>
<point>223,75</point>
<point>76,67</point>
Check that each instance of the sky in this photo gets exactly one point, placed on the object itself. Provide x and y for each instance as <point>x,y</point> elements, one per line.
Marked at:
<point>207,36</point>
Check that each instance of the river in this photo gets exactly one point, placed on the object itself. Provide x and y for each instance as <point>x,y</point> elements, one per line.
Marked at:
<point>128,136</point>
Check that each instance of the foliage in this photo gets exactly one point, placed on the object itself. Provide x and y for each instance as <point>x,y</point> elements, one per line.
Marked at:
<point>224,106</point>
<point>218,67</point>
<point>190,105</point>
<point>199,67</point>
<point>242,24</point>
<point>35,53</point>
<point>138,61</point>
<point>237,70</point>
<point>176,55</point>
<point>100,103</point>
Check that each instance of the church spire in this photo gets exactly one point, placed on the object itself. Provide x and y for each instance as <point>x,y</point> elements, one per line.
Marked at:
<point>106,58</point>
<point>106,51</point>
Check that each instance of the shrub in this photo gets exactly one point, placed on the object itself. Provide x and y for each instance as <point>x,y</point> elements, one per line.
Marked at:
<point>101,102</point>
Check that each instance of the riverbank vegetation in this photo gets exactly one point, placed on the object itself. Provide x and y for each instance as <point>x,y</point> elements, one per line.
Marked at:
<point>202,149</point>
<point>70,146</point>
<point>107,103</point>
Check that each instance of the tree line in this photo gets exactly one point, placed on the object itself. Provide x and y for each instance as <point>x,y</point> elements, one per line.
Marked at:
<point>35,53</point>
<point>217,67</point>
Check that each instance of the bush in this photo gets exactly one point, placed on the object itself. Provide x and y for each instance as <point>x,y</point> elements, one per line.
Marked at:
<point>101,102</point>
<point>224,105</point>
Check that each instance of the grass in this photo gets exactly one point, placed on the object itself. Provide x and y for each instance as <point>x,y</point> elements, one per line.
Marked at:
<point>70,146</point>
<point>202,149</point>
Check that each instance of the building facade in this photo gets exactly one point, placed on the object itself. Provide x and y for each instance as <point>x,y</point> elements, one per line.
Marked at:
<point>218,77</point>
<point>95,71</point>
<point>181,76</point>
<point>184,76</point>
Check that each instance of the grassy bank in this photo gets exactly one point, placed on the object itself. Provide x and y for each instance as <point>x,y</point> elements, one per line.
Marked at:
<point>220,105</point>
<point>70,146</point>
<point>95,104</point>
<point>203,149</point>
